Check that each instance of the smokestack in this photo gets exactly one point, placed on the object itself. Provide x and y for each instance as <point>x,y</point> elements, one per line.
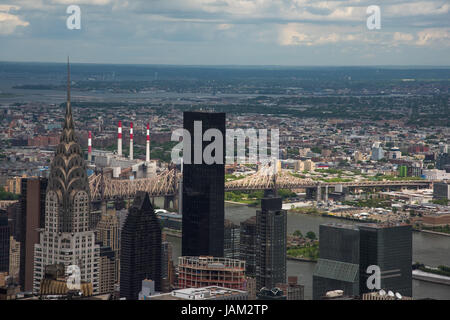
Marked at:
<point>147,153</point>
<point>119,139</point>
<point>90,146</point>
<point>131,141</point>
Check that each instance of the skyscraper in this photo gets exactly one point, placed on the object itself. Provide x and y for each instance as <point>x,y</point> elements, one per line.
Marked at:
<point>66,238</point>
<point>4,242</point>
<point>388,246</point>
<point>248,245</point>
<point>140,250</point>
<point>203,189</point>
<point>32,218</point>
<point>346,252</point>
<point>339,258</point>
<point>231,240</point>
<point>271,226</point>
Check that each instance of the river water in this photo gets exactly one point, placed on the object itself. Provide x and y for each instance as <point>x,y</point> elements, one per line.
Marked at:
<point>429,249</point>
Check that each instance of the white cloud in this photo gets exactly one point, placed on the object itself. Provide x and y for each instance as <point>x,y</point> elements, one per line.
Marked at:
<point>433,35</point>
<point>8,21</point>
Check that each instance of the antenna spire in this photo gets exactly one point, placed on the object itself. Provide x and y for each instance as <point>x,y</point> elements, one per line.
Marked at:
<point>68,80</point>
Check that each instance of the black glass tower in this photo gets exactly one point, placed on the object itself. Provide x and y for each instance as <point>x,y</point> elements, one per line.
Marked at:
<point>4,242</point>
<point>203,191</point>
<point>388,246</point>
<point>339,257</point>
<point>140,250</point>
<point>271,227</point>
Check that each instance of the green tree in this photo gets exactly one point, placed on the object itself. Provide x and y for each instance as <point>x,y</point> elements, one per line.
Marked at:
<point>311,235</point>
<point>298,233</point>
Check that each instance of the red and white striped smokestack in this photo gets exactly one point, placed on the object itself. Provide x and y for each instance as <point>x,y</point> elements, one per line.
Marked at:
<point>119,139</point>
<point>131,141</point>
<point>147,153</point>
<point>89,146</point>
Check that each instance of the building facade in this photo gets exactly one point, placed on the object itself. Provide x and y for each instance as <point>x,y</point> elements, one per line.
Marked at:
<point>248,245</point>
<point>66,237</point>
<point>271,228</point>
<point>32,218</point>
<point>203,271</point>
<point>203,189</point>
<point>231,240</point>
<point>140,249</point>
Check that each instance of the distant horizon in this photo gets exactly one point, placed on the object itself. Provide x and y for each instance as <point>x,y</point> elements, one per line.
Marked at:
<point>394,66</point>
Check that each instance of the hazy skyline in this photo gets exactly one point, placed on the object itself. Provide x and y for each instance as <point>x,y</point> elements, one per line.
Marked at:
<point>227,32</point>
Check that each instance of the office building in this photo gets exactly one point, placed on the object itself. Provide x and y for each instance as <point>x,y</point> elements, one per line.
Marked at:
<point>66,238</point>
<point>441,190</point>
<point>107,234</point>
<point>32,218</point>
<point>248,245</point>
<point>203,271</point>
<point>377,152</point>
<point>4,242</point>
<point>231,240</point>
<point>107,275</point>
<point>140,249</point>
<point>388,246</point>
<point>203,190</point>
<point>338,265</point>
<point>271,226</point>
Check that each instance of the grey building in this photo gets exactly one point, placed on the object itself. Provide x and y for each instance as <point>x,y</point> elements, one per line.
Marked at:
<point>339,257</point>
<point>248,245</point>
<point>441,190</point>
<point>388,246</point>
<point>271,225</point>
<point>231,240</point>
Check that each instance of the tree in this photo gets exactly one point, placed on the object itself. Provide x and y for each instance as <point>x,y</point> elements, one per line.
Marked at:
<point>298,233</point>
<point>311,235</point>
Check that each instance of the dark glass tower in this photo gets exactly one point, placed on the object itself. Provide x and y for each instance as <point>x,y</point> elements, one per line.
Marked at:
<point>338,264</point>
<point>271,226</point>
<point>248,245</point>
<point>388,246</point>
<point>203,192</point>
<point>140,250</point>
<point>32,204</point>
<point>4,242</point>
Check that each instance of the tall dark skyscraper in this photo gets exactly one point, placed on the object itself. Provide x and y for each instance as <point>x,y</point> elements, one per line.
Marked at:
<point>203,191</point>
<point>271,227</point>
<point>248,245</point>
<point>4,242</point>
<point>32,204</point>
<point>346,251</point>
<point>140,250</point>
<point>388,246</point>
<point>338,264</point>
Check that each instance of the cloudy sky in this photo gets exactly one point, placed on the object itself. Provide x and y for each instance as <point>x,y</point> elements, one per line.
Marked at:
<point>223,32</point>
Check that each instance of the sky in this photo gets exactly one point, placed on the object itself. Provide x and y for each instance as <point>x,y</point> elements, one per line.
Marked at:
<point>228,32</point>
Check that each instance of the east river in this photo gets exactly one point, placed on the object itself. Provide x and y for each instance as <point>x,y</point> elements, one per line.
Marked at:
<point>429,249</point>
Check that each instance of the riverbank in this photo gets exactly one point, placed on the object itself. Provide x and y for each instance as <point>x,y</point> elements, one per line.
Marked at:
<point>300,259</point>
<point>435,232</point>
<point>430,277</point>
